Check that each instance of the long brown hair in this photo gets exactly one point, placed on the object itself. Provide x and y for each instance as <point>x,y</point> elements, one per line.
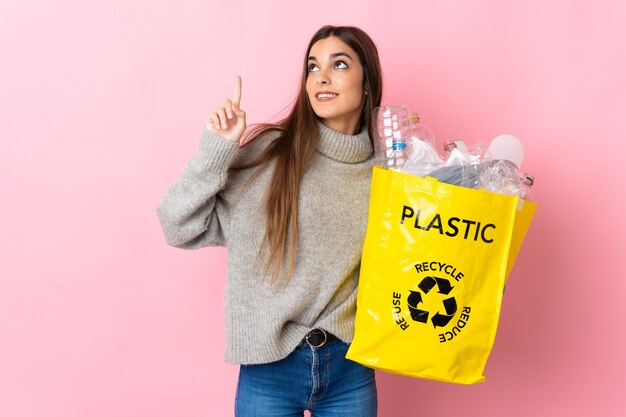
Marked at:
<point>295,148</point>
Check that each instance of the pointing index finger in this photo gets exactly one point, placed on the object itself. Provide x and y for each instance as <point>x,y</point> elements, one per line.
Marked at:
<point>237,94</point>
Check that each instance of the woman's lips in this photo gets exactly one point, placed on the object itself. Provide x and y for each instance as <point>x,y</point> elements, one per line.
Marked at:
<point>325,96</point>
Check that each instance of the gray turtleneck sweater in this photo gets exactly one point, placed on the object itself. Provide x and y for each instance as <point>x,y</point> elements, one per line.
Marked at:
<point>208,205</point>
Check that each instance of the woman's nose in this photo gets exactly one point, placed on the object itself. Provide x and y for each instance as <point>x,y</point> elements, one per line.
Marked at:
<point>323,78</point>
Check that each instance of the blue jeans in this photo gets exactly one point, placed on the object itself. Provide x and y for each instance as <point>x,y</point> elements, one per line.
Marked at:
<point>320,380</point>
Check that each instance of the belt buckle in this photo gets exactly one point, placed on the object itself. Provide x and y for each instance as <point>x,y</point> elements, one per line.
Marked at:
<point>313,334</point>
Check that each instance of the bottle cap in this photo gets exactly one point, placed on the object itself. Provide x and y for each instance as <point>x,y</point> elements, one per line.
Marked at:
<point>414,118</point>
<point>528,179</point>
<point>449,145</point>
<point>398,146</point>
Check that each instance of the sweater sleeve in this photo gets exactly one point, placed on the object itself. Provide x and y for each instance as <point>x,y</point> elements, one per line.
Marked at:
<point>191,212</point>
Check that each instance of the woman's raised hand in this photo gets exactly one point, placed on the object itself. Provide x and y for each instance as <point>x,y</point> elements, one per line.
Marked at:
<point>229,121</point>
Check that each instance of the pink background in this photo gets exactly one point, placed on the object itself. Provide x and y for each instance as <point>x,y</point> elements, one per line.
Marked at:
<point>102,102</point>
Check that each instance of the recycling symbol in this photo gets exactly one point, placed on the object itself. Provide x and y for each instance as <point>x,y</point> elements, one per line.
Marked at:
<point>414,299</point>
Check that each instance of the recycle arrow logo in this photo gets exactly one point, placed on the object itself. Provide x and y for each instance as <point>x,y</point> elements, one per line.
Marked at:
<point>449,304</point>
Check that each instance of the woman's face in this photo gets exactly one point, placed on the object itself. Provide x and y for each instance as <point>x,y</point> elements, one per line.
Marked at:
<point>335,84</point>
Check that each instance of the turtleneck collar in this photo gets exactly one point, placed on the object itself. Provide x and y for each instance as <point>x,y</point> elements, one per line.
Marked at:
<point>349,149</point>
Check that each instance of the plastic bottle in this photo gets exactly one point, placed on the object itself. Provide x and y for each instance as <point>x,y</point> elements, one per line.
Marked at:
<point>448,147</point>
<point>420,131</point>
<point>456,153</point>
<point>393,130</point>
<point>399,154</point>
<point>528,180</point>
<point>423,157</point>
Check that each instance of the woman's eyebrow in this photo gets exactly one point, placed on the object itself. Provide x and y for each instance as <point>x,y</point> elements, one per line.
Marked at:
<point>338,54</point>
<point>334,55</point>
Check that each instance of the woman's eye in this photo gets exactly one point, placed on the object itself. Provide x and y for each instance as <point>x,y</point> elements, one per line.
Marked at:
<point>341,65</point>
<point>312,68</point>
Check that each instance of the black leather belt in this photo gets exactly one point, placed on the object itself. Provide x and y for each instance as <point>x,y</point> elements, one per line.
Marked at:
<point>319,337</point>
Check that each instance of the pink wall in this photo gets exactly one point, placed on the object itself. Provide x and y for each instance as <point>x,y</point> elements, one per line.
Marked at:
<point>102,102</point>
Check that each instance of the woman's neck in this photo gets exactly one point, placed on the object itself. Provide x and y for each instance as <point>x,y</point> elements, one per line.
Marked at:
<point>347,127</point>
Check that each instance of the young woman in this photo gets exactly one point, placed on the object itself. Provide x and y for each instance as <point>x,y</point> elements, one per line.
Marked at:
<point>291,207</point>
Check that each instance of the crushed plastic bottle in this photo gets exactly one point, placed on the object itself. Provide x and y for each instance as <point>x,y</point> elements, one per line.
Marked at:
<point>457,153</point>
<point>423,157</point>
<point>501,176</point>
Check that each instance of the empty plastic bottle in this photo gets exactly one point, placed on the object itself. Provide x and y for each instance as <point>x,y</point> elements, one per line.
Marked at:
<point>399,154</point>
<point>393,129</point>
<point>528,180</point>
